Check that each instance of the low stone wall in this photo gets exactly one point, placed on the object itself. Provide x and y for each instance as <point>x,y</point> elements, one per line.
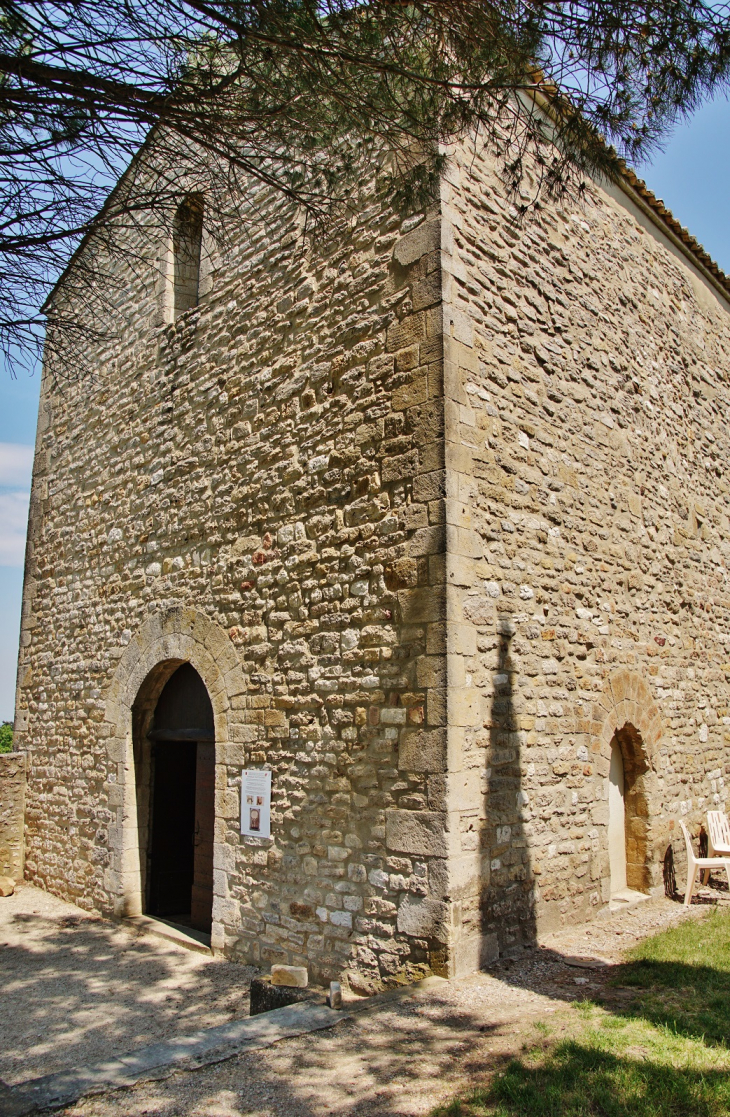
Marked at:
<point>12,811</point>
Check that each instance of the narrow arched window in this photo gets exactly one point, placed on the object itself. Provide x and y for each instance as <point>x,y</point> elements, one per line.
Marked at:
<point>187,236</point>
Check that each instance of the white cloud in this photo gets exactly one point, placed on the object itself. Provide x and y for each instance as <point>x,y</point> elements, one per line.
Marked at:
<point>16,463</point>
<point>13,524</point>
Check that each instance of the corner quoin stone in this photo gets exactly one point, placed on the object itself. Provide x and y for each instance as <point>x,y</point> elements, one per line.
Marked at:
<point>422,917</point>
<point>416,832</point>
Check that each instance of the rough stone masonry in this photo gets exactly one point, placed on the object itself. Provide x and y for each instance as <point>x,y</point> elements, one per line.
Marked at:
<point>12,814</point>
<point>438,511</point>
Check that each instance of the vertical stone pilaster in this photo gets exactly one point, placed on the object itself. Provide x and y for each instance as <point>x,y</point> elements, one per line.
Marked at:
<point>470,946</point>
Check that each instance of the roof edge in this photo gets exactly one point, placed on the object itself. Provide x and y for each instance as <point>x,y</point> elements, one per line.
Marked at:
<point>543,93</point>
<point>633,185</point>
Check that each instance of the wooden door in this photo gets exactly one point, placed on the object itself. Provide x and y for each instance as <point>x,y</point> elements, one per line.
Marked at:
<point>202,897</point>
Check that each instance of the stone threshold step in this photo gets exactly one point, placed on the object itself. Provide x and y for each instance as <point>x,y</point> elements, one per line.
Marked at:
<point>627,898</point>
<point>173,932</point>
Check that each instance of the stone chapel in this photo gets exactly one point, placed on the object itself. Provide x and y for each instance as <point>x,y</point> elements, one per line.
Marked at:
<point>431,523</point>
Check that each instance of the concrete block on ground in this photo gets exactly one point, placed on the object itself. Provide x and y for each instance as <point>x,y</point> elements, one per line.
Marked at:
<point>265,996</point>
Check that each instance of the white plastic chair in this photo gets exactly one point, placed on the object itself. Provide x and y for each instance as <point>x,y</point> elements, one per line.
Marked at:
<point>695,863</point>
<point>718,837</point>
<point>718,830</point>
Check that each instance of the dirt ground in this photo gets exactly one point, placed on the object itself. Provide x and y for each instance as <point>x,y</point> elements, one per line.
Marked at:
<point>399,1059</point>
<point>76,988</point>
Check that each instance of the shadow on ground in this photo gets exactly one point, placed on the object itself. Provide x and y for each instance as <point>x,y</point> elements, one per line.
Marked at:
<point>419,1053</point>
<point>77,988</point>
<point>579,1081</point>
<point>399,1060</point>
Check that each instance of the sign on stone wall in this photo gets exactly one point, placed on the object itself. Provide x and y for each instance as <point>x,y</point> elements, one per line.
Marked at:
<point>256,803</point>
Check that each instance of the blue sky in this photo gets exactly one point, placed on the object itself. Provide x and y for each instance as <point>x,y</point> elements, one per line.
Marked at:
<point>690,175</point>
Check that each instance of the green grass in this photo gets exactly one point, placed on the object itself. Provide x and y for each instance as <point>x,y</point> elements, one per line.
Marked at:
<point>682,979</point>
<point>665,1054</point>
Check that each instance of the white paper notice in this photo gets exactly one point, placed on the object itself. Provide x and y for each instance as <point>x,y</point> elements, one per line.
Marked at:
<point>256,803</point>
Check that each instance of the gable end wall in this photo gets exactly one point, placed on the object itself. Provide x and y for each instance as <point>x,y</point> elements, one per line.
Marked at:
<point>257,488</point>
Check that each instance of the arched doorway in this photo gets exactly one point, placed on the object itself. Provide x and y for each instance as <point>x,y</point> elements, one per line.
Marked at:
<point>627,815</point>
<point>179,884</point>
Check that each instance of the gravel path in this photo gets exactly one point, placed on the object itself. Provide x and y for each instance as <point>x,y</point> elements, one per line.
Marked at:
<point>399,1058</point>
<point>77,988</point>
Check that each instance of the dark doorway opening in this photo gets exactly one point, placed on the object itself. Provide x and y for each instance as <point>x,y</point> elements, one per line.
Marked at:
<point>182,803</point>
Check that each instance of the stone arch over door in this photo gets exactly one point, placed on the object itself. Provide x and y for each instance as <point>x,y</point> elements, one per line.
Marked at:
<point>626,716</point>
<point>164,642</point>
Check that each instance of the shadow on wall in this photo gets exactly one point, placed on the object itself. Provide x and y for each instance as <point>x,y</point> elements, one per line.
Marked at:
<point>507,899</point>
<point>509,896</point>
<point>622,859</point>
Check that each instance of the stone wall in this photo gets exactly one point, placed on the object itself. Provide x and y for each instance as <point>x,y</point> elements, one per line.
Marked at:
<point>435,510</point>
<point>587,384</point>
<point>255,488</point>
<point>12,811</point>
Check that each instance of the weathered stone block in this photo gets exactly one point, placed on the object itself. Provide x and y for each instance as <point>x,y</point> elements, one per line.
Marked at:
<point>422,750</point>
<point>427,541</point>
<point>404,465</point>
<point>295,976</point>
<point>427,292</point>
<point>408,395</point>
<point>423,917</point>
<point>422,605</point>
<point>424,239</point>
<point>430,486</point>
<point>416,832</point>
